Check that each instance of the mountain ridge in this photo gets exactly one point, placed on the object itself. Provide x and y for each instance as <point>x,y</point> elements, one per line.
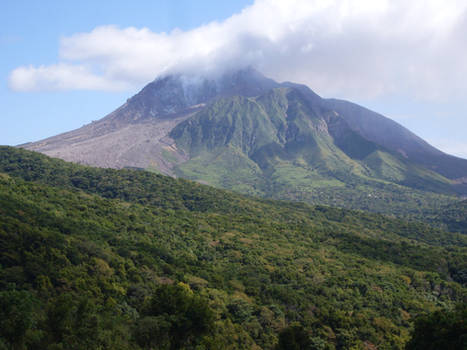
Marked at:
<point>272,133</point>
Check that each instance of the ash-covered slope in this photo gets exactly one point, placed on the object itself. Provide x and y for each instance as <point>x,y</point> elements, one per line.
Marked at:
<point>136,134</point>
<point>245,132</point>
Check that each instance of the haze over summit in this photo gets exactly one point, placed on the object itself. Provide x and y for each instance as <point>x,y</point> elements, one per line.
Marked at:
<point>397,58</point>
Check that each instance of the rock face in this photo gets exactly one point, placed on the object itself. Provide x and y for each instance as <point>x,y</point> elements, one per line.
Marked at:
<point>246,132</point>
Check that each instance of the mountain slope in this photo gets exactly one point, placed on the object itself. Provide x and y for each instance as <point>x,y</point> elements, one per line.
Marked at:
<point>279,145</point>
<point>245,132</point>
<point>135,135</point>
<point>395,137</point>
<point>86,253</point>
<point>452,217</point>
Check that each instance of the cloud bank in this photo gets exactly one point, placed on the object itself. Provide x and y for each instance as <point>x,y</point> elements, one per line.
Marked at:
<point>360,48</point>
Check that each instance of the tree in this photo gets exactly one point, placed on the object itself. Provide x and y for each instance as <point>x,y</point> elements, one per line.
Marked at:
<point>174,318</point>
<point>294,337</point>
<point>442,329</point>
<point>17,317</point>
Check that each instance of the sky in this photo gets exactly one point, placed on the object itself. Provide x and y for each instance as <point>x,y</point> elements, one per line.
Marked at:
<point>66,63</point>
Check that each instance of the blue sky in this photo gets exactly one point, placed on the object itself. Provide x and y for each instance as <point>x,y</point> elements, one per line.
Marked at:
<point>65,63</point>
<point>30,34</point>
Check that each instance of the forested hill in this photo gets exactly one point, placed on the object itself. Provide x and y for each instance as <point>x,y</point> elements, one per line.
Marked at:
<point>147,188</point>
<point>118,259</point>
<point>452,217</point>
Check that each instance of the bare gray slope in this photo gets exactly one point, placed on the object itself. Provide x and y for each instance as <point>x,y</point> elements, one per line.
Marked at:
<point>105,144</point>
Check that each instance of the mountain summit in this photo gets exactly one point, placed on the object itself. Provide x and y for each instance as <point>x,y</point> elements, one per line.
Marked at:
<point>174,93</point>
<point>246,132</point>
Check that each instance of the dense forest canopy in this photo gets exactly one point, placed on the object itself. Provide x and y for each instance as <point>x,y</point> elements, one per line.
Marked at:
<point>118,259</point>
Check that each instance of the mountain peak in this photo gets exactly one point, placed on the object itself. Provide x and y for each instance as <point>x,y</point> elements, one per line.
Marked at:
<point>219,128</point>
<point>172,93</point>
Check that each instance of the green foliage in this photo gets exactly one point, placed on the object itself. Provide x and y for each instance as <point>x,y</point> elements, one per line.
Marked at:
<point>452,217</point>
<point>294,337</point>
<point>72,323</point>
<point>174,318</point>
<point>17,317</point>
<point>440,330</point>
<point>281,145</point>
<point>128,259</point>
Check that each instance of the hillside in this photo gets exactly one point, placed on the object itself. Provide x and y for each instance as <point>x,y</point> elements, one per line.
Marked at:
<point>120,259</point>
<point>244,132</point>
<point>280,146</point>
<point>452,217</point>
<point>396,138</point>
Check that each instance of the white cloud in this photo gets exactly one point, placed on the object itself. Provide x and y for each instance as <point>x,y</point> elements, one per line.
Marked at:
<point>357,48</point>
<point>61,77</point>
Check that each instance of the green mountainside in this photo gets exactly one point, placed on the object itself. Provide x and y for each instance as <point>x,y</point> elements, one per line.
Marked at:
<point>120,259</point>
<point>452,217</point>
<point>280,145</point>
<point>244,132</point>
<point>396,138</point>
